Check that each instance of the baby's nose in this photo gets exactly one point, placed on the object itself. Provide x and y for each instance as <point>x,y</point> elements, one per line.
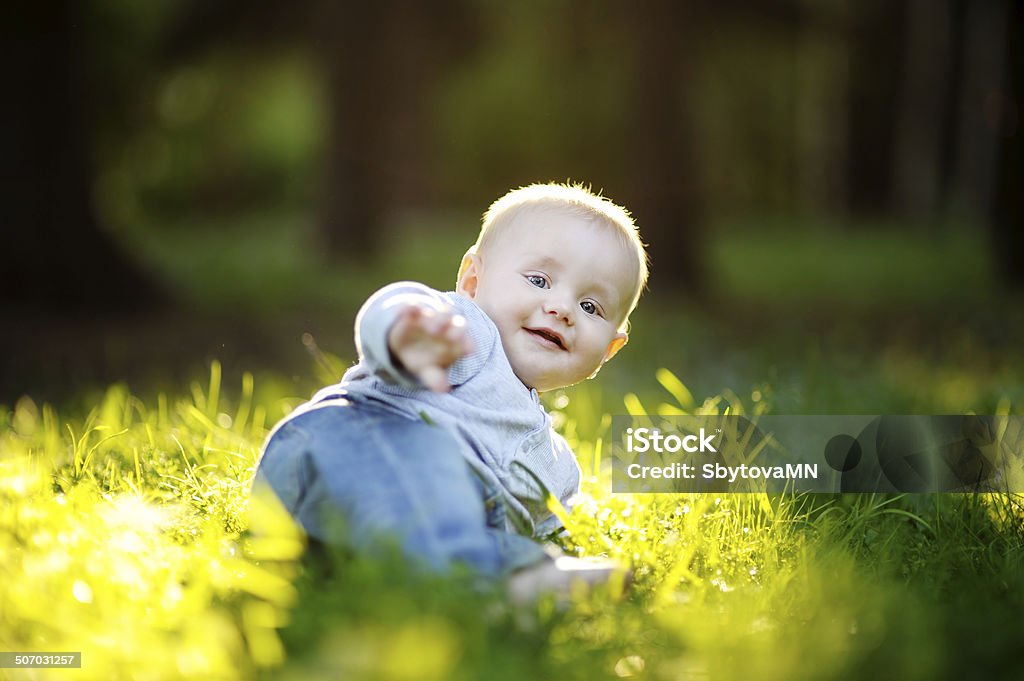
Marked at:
<point>560,309</point>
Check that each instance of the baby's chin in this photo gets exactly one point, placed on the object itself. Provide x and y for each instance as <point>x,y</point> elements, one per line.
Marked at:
<point>529,380</point>
<point>538,383</point>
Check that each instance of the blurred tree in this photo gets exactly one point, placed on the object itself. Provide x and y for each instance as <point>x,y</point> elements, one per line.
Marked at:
<point>982,59</point>
<point>876,44</point>
<point>380,61</point>
<point>1006,108</point>
<point>821,111</point>
<point>55,252</point>
<point>664,194</point>
<point>924,108</point>
<point>383,61</point>
<point>982,170</point>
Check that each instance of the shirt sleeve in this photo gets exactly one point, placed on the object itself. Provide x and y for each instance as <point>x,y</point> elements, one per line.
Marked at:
<point>375,319</point>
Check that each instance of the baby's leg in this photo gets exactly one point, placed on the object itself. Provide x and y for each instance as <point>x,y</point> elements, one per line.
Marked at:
<point>384,476</point>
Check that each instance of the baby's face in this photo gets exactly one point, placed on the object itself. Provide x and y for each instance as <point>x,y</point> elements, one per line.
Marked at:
<point>558,288</point>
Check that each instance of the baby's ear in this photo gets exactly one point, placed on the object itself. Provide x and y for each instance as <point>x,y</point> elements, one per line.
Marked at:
<point>469,274</point>
<point>618,342</point>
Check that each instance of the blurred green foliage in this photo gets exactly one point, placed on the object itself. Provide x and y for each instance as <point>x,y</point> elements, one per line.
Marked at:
<point>227,135</point>
<point>542,92</point>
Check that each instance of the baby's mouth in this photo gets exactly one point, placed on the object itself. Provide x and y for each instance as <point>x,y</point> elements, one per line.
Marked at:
<point>550,336</point>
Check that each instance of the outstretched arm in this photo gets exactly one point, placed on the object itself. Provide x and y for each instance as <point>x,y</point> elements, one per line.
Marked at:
<point>410,335</point>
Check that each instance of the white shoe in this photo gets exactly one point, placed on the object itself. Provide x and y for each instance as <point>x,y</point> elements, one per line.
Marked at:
<point>562,575</point>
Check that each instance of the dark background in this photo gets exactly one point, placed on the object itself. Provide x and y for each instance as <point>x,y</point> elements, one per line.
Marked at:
<point>831,185</point>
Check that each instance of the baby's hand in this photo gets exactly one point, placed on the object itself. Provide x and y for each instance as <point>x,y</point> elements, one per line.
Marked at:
<point>426,342</point>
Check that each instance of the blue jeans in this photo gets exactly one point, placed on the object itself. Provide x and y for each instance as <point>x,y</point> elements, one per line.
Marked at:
<point>355,472</point>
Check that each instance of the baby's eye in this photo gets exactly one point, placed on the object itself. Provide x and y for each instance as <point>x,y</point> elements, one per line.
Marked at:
<point>589,307</point>
<point>537,280</point>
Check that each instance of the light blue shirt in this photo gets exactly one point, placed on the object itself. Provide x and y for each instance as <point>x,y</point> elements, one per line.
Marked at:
<point>506,432</point>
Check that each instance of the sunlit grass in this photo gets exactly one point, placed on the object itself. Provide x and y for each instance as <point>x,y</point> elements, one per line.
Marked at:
<point>122,537</point>
<point>128,533</point>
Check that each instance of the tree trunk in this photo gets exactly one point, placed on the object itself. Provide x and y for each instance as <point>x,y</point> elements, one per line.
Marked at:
<point>663,194</point>
<point>353,202</point>
<point>928,64</point>
<point>984,59</point>
<point>1007,110</point>
<point>381,59</point>
<point>876,37</point>
<point>55,256</point>
<point>822,117</point>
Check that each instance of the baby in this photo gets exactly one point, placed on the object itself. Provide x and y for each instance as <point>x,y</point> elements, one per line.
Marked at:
<point>436,438</point>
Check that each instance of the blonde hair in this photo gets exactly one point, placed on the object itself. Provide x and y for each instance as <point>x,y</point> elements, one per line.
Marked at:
<point>577,200</point>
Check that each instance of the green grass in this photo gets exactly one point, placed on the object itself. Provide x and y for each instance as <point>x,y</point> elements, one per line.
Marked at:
<point>128,533</point>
